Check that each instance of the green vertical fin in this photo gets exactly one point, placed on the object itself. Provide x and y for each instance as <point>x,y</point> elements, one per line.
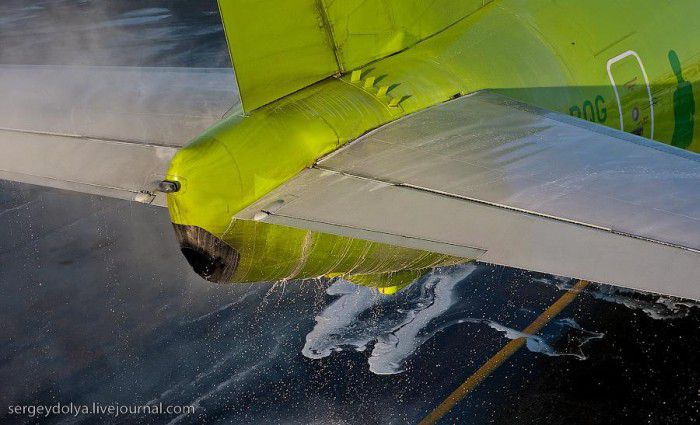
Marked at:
<point>280,46</point>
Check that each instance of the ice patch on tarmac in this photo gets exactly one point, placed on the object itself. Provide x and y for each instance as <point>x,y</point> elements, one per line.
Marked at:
<point>659,307</point>
<point>395,327</point>
<point>568,338</point>
<point>394,324</point>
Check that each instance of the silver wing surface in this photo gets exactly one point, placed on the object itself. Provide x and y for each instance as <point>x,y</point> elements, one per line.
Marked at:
<point>105,130</point>
<point>527,187</point>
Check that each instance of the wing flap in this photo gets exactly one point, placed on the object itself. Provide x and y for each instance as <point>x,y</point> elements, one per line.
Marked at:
<point>352,206</point>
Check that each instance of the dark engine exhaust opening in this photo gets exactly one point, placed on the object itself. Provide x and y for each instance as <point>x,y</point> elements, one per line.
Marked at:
<point>210,257</point>
<point>203,264</point>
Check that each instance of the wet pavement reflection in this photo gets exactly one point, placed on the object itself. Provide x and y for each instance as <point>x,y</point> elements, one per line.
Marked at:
<point>99,306</point>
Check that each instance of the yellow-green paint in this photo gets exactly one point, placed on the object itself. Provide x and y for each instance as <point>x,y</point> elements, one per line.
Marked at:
<point>280,46</point>
<point>390,283</point>
<point>277,47</point>
<point>558,55</point>
<point>271,252</point>
<point>242,158</point>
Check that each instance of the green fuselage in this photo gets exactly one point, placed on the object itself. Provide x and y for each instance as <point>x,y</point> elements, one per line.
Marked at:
<point>628,65</point>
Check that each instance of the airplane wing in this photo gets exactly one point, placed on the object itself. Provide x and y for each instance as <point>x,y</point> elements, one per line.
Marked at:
<point>105,130</point>
<point>482,175</point>
<point>526,187</point>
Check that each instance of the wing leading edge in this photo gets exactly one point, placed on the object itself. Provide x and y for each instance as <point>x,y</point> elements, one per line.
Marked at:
<point>527,187</point>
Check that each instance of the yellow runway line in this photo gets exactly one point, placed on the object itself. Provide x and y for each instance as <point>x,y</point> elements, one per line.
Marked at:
<point>508,350</point>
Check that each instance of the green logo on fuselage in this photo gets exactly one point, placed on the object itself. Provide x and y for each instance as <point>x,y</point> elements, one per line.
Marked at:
<point>683,106</point>
<point>592,111</point>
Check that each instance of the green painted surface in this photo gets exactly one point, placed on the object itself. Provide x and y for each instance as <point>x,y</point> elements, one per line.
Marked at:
<point>280,46</point>
<point>683,106</point>
<point>366,30</point>
<point>277,47</point>
<point>551,54</point>
<point>270,252</point>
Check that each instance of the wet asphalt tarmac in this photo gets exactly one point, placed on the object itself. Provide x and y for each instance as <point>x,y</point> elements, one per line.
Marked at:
<point>99,306</point>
